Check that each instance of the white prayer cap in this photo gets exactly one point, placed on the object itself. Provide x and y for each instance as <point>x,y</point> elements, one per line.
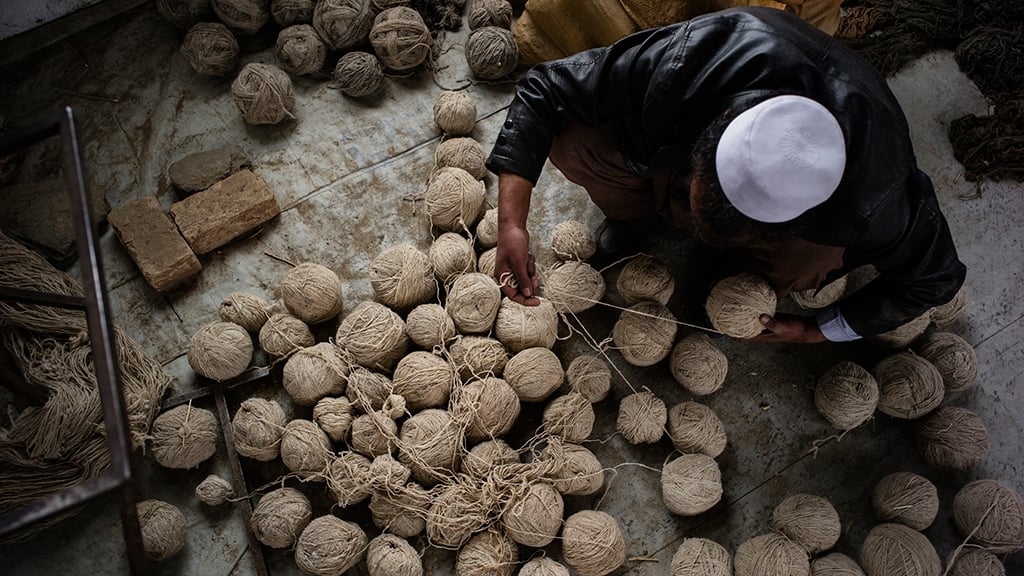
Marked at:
<point>781,158</point>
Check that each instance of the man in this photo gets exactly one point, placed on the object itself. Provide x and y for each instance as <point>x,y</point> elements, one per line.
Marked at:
<point>755,130</point>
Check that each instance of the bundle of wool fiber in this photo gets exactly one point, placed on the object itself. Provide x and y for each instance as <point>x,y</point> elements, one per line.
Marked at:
<point>572,240</point>
<point>909,386</point>
<point>343,23</point>
<point>479,356</point>
<point>248,311</point>
<point>953,357</point>
<point>645,278</point>
<point>214,490</point>
<point>210,48</point>
<point>258,426</point>
<point>590,376</point>
<point>300,50</point>
<point>992,514</point>
<point>952,437</point>
<point>809,521</point>
<point>289,12</point>
<point>430,444</point>
<point>315,372</point>
<point>592,543</point>
<point>283,334</point>
<point>570,417</point>
<point>454,113</point>
<point>386,473</point>
<point>220,351</point>
<point>491,52</point>
<point>184,13</point>
<point>358,74</point>
<point>488,406</point>
<point>425,380</point>
<point>486,456</point>
<point>975,562</point>
<point>846,395</point>
<point>184,437</point>
<point>402,512</point>
<point>644,333</point>
<point>519,327</point>
<point>455,514</point>
<point>905,335</point>
<point>263,94</point>
<point>736,304</point>
<point>280,516</point>
<point>489,13</point>
<point>454,198</point>
<point>696,429</point>
<point>473,302</point>
<point>465,153</point>
<point>402,277</point>
<point>429,326</point>
<point>691,484</point>
<point>701,557</point>
<point>400,38</point>
<point>572,286</point>
<point>487,552</point>
<point>373,434</point>
<point>771,554</point>
<point>451,255</point>
<point>368,390</point>
<point>898,550</point>
<point>835,564</point>
<point>822,297</point>
<point>329,546</point>
<point>306,449</point>
<point>906,498</point>
<point>534,516</point>
<point>334,416</point>
<point>374,335</point>
<point>642,417</point>
<point>163,529</point>
<point>245,17</point>
<point>543,566</point>
<point>348,479</point>
<point>389,555</point>
<point>698,365</point>
<point>575,471</point>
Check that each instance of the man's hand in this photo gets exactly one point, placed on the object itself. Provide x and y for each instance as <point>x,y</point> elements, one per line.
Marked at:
<point>789,328</point>
<point>514,266</point>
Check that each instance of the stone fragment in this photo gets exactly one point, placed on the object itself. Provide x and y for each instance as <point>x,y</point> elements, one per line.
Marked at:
<point>228,209</point>
<point>156,246</point>
<point>201,170</point>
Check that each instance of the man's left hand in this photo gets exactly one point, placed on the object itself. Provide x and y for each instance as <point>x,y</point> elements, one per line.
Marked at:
<point>789,328</point>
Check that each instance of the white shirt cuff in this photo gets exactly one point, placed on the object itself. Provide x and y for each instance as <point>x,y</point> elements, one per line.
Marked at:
<point>834,327</point>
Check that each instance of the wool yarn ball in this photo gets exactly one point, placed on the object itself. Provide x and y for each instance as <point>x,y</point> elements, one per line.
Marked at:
<point>698,365</point>
<point>394,407</point>
<point>280,516</point>
<point>696,429</point>
<point>402,277</point>
<point>348,479</point>
<point>770,555</point>
<point>906,498</point>
<point>455,113</point>
<point>263,94</point>
<point>809,521</point>
<point>210,48</point>
<point>485,263</point>
<point>572,240</point>
<point>248,311</point>
<point>214,490</point>
<point>519,327</point>
<point>245,17</point>
<point>993,512</point>
<point>401,512</point>
<point>543,566</point>
<point>489,407</point>
<point>822,297</point>
<point>908,386</point>
<point>315,372</point>
<point>592,543</point>
<point>906,334</point>
<point>389,555</point>
<point>575,471</point>
<point>343,23</point>
<point>487,229</point>
<point>374,335</point>
<point>358,74</point>
<point>691,484</point>
<point>952,437</point>
<point>465,153</point>
<point>184,437</point>
<point>373,434</point>
<point>163,529</point>
<point>430,444</point>
<point>400,38</point>
<point>478,357</point>
<point>835,564</point>
<point>486,456</point>
<point>289,12</point>
<point>283,334</point>
<point>489,552</point>
<point>945,314</point>
<point>975,562</point>
<point>701,557</point>
<point>386,473</point>
<point>425,380</point>
<point>572,286</point>
<point>220,351</point>
<point>953,357</point>
<point>334,416</point>
<point>644,333</point>
<point>736,304</point>
<point>368,390</point>
<point>897,550</point>
<point>590,376</point>
<point>184,13</point>
<point>491,52</point>
<point>534,516</point>
<point>490,13</point>
<point>300,50</point>
<point>645,278</point>
<point>455,514</point>
<point>473,302</point>
<point>642,418</point>
<point>306,449</point>
<point>450,255</point>
<point>454,199</point>
<point>257,427</point>
<point>570,417</point>
<point>329,546</point>
<point>382,5</point>
<point>429,326</point>
<point>846,395</point>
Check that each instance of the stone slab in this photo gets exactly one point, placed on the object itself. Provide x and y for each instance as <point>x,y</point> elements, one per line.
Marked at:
<point>200,170</point>
<point>156,246</point>
<point>212,218</point>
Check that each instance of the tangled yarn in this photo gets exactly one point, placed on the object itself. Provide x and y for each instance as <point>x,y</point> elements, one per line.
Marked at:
<point>263,94</point>
<point>906,498</point>
<point>300,50</point>
<point>909,386</point>
<point>691,484</point>
<point>358,74</point>
<point>846,395</point>
<point>402,277</point>
<point>400,38</point>
<point>210,48</point>
<point>808,520</point>
<point>343,23</point>
<point>993,512</point>
<point>895,549</point>
<point>642,418</point>
<point>184,437</point>
<point>952,437</point>
<point>736,304</point>
<point>491,52</point>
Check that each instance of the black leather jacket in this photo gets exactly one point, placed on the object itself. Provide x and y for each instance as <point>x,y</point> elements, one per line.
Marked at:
<point>662,87</point>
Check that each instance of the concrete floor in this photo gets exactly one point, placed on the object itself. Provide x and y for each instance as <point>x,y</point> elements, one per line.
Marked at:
<point>347,175</point>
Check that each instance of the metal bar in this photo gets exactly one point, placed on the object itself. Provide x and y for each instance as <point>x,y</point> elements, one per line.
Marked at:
<point>42,298</point>
<point>59,502</point>
<point>251,375</point>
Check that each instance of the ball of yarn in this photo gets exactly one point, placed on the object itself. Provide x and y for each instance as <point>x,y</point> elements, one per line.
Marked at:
<point>430,444</point>
<point>592,543</point>
<point>590,376</point>
<point>258,426</point>
<point>400,38</point>
<point>642,418</point>
<point>389,555</point>
<point>543,566</point>
<point>424,380</point>
<point>348,479</point>
<point>975,562</point>
<point>386,473</point>
<point>534,517</point>
<point>490,13</point>
<point>952,437</point>
<point>904,335</point>
<point>473,302</point>
<point>946,313</point>
<point>210,48</point>
<point>306,449</point>
<point>488,406</point>
<point>454,198</point>
<point>283,334</point>
<point>280,517</point>
<point>358,74</point>
<point>701,557</point>
<point>465,153</point>
<point>245,17</point>
<point>248,311</point>
<point>478,357</point>
<point>368,390</point>
<point>214,490</point>
<point>696,429</point>
<point>402,277</point>
<point>451,255</point>
<point>487,230</point>
<point>374,335</point>
<point>993,512</point>
<point>343,23</point>
<point>572,240</point>
<point>455,514</point>
<point>491,52</point>
<point>908,386</point>
<point>644,333</point>
<point>809,521</point>
<point>163,529</point>
<point>184,13</point>
<point>906,498</point>
<point>895,549</point>
<point>329,546</point>
<point>822,297</point>
<point>300,50</point>
<point>485,263</point>
<point>691,484</point>
<point>490,552</point>
<point>770,554</point>
<point>698,365</point>
<point>373,434</point>
<point>519,327</point>
<point>263,94</point>
<point>429,326</point>
<point>645,278</point>
<point>572,286</point>
<point>570,417</point>
<point>334,416</point>
<point>184,437</point>
<point>315,372</point>
<point>846,395</point>
<point>835,564</point>
<point>486,456</point>
<point>220,350</point>
<point>954,358</point>
<point>575,471</point>
<point>289,12</point>
<point>736,304</point>
<point>402,512</point>
<point>454,113</point>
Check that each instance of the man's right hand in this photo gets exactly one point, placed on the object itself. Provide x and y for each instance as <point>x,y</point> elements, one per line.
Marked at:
<point>514,267</point>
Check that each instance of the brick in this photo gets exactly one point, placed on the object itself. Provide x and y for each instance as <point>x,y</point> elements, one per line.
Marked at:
<point>228,209</point>
<point>154,243</point>
<point>201,170</point>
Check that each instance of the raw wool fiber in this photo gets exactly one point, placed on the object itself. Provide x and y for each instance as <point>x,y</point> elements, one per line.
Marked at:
<point>258,426</point>
<point>945,314</point>
<point>954,358</point>
<point>451,255</point>
<point>988,146</point>
<point>402,512</point>
<point>491,53</point>
<point>388,474</point>
<point>334,416</point>
<point>490,552</point>
<point>441,14</point>
<point>592,543</point>
<point>906,498</point>
<point>425,380</point>
<point>534,517</point>
<point>909,386</point>
<point>644,333</point>
<point>897,550</point>
<point>248,311</point>
<point>570,417</point>
<point>519,327</point>
<point>904,335</point>
<point>993,512</point>
<point>400,38</point>
<point>473,302</point>
<point>465,153</point>
<point>163,529</point>
<point>429,326</point>
<point>487,230</point>
<point>300,50</point>
<point>358,74</point>
<point>691,484</point>
<point>642,418</point>
<point>484,13</point>
<point>771,555</point>
<point>454,198</point>
<point>184,13</point>
<point>348,480</point>
<point>455,514</point>
<point>574,470</point>
<point>571,286</point>
<point>283,334</point>
<point>485,263</point>
<point>543,566</point>
<point>373,434</point>
<point>835,564</point>
<point>952,437</point>
<point>280,516</point>
<point>402,277</point>
<point>698,365</point>
<point>374,335</point>
<point>571,239</point>
<point>368,390</point>
<point>214,490</point>
<point>389,555</point>
<point>210,48</point>
<point>846,395</point>
<point>590,376</point>
<point>289,12</point>
<point>975,562</point>
<point>430,444</point>
<point>645,278</point>
<point>809,521</point>
<point>696,429</point>
<point>486,456</point>
<point>220,351</point>
<point>306,449</point>
<point>263,94</point>
<point>244,17</point>
<point>184,437</point>
<point>701,557</point>
<point>488,407</point>
<point>736,304</point>
<point>455,113</point>
<point>312,373</point>
<point>343,23</point>
<point>394,407</point>
<point>478,357</point>
<point>822,297</point>
<point>329,546</point>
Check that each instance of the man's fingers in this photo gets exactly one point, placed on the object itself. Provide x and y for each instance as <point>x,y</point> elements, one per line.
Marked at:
<point>770,324</point>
